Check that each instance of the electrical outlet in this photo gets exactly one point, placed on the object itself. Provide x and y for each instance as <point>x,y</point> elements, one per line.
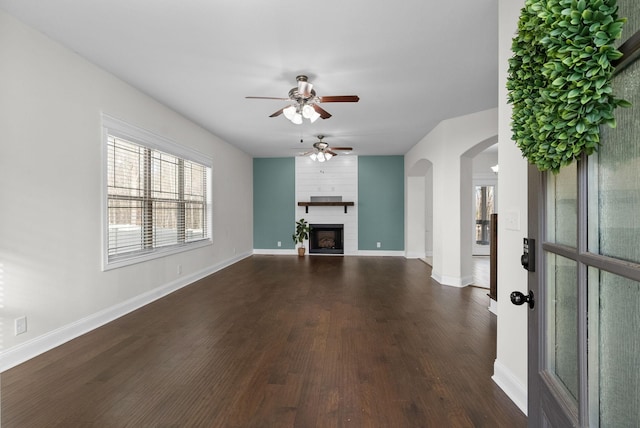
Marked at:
<point>179,270</point>
<point>20,325</point>
<point>378,244</point>
<point>279,243</point>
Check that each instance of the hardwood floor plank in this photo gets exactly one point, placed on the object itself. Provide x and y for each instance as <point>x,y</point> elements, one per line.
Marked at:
<point>279,341</point>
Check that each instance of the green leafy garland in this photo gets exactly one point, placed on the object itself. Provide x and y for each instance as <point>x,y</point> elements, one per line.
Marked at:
<point>559,80</point>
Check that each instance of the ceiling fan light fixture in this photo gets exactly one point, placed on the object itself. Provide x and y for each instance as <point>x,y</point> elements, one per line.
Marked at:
<point>297,119</point>
<point>307,111</point>
<point>289,112</point>
<point>314,116</point>
<point>322,152</point>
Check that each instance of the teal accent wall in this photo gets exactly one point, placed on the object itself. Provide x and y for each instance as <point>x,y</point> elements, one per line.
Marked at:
<point>274,183</point>
<point>381,203</point>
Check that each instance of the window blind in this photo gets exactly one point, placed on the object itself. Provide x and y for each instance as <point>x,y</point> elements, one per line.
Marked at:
<point>155,199</point>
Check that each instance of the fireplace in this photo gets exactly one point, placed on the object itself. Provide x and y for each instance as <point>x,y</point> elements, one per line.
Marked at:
<point>326,239</point>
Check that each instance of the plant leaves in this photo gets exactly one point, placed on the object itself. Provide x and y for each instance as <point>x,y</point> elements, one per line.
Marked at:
<point>559,78</point>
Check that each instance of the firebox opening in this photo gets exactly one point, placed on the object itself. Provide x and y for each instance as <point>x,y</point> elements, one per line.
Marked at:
<point>326,239</point>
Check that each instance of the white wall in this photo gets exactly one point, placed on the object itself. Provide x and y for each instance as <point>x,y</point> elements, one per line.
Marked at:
<point>510,369</point>
<point>428,212</point>
<point>449,148</point>
<point>337,177</point>
<point>419,210</point>
<point>482,165</point>
<point>50,188</point>
<point>416,217</point>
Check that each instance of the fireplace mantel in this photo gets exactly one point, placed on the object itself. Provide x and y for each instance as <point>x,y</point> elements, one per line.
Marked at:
<point>306,205</point>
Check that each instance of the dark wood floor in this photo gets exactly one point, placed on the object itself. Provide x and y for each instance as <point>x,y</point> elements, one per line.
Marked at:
<point>278,341</point>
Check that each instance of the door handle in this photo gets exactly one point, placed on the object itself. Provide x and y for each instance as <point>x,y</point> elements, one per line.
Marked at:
<point>517,298</point>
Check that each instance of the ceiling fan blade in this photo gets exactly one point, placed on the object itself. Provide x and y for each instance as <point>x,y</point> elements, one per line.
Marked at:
<point>340,99</point>
<point>332,153</point>
<point>322,112</point>
<point>278,113</point>
<point>341,148</point>
<point>306,153</point>
<point>267,98</point>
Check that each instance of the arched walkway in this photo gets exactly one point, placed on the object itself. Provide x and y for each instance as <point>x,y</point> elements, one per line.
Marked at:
<point>439,184</point>
<point>466,202</point>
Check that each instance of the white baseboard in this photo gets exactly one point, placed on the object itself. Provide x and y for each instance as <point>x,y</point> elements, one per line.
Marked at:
<point>415,255</point>
<point>275,252</point>
<point>493,307</point>
<point>370,253</point>
<point>505,379</point>
<point>380,253</point>
<point>453,281</point>
<point>25,351</point>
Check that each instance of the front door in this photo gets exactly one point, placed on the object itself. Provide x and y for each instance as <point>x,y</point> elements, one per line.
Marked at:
<point>584,329</point>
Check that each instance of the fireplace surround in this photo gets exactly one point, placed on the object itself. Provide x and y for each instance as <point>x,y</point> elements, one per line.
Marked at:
<point>326,239</point>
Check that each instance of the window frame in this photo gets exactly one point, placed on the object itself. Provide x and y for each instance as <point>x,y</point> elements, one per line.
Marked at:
<point>117,128</point>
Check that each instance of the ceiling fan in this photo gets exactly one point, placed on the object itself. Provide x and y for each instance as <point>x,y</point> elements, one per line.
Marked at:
<point>322,152</point>
<point>305,102</point>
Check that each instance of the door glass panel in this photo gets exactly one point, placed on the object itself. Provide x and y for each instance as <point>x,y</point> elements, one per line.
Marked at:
<point>562,196</point>
<point>614,178</point>
<point>614,350</point>
<point>630,10</point>
<point>562,322</point>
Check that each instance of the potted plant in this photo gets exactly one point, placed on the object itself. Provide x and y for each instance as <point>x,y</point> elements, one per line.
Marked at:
<point>302,233</point>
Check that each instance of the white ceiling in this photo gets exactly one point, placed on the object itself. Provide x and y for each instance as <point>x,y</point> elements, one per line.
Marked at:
<point>412,62</point>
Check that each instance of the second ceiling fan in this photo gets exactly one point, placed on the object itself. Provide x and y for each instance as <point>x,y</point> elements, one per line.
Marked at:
<point>305,102</point>
<point>322,152</point>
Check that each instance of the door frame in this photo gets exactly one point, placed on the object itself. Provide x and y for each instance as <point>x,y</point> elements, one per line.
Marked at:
<point>535,202</point>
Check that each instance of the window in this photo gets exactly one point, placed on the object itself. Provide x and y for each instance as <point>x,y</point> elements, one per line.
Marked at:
<point>157,196</point>
<point>484,207</point>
